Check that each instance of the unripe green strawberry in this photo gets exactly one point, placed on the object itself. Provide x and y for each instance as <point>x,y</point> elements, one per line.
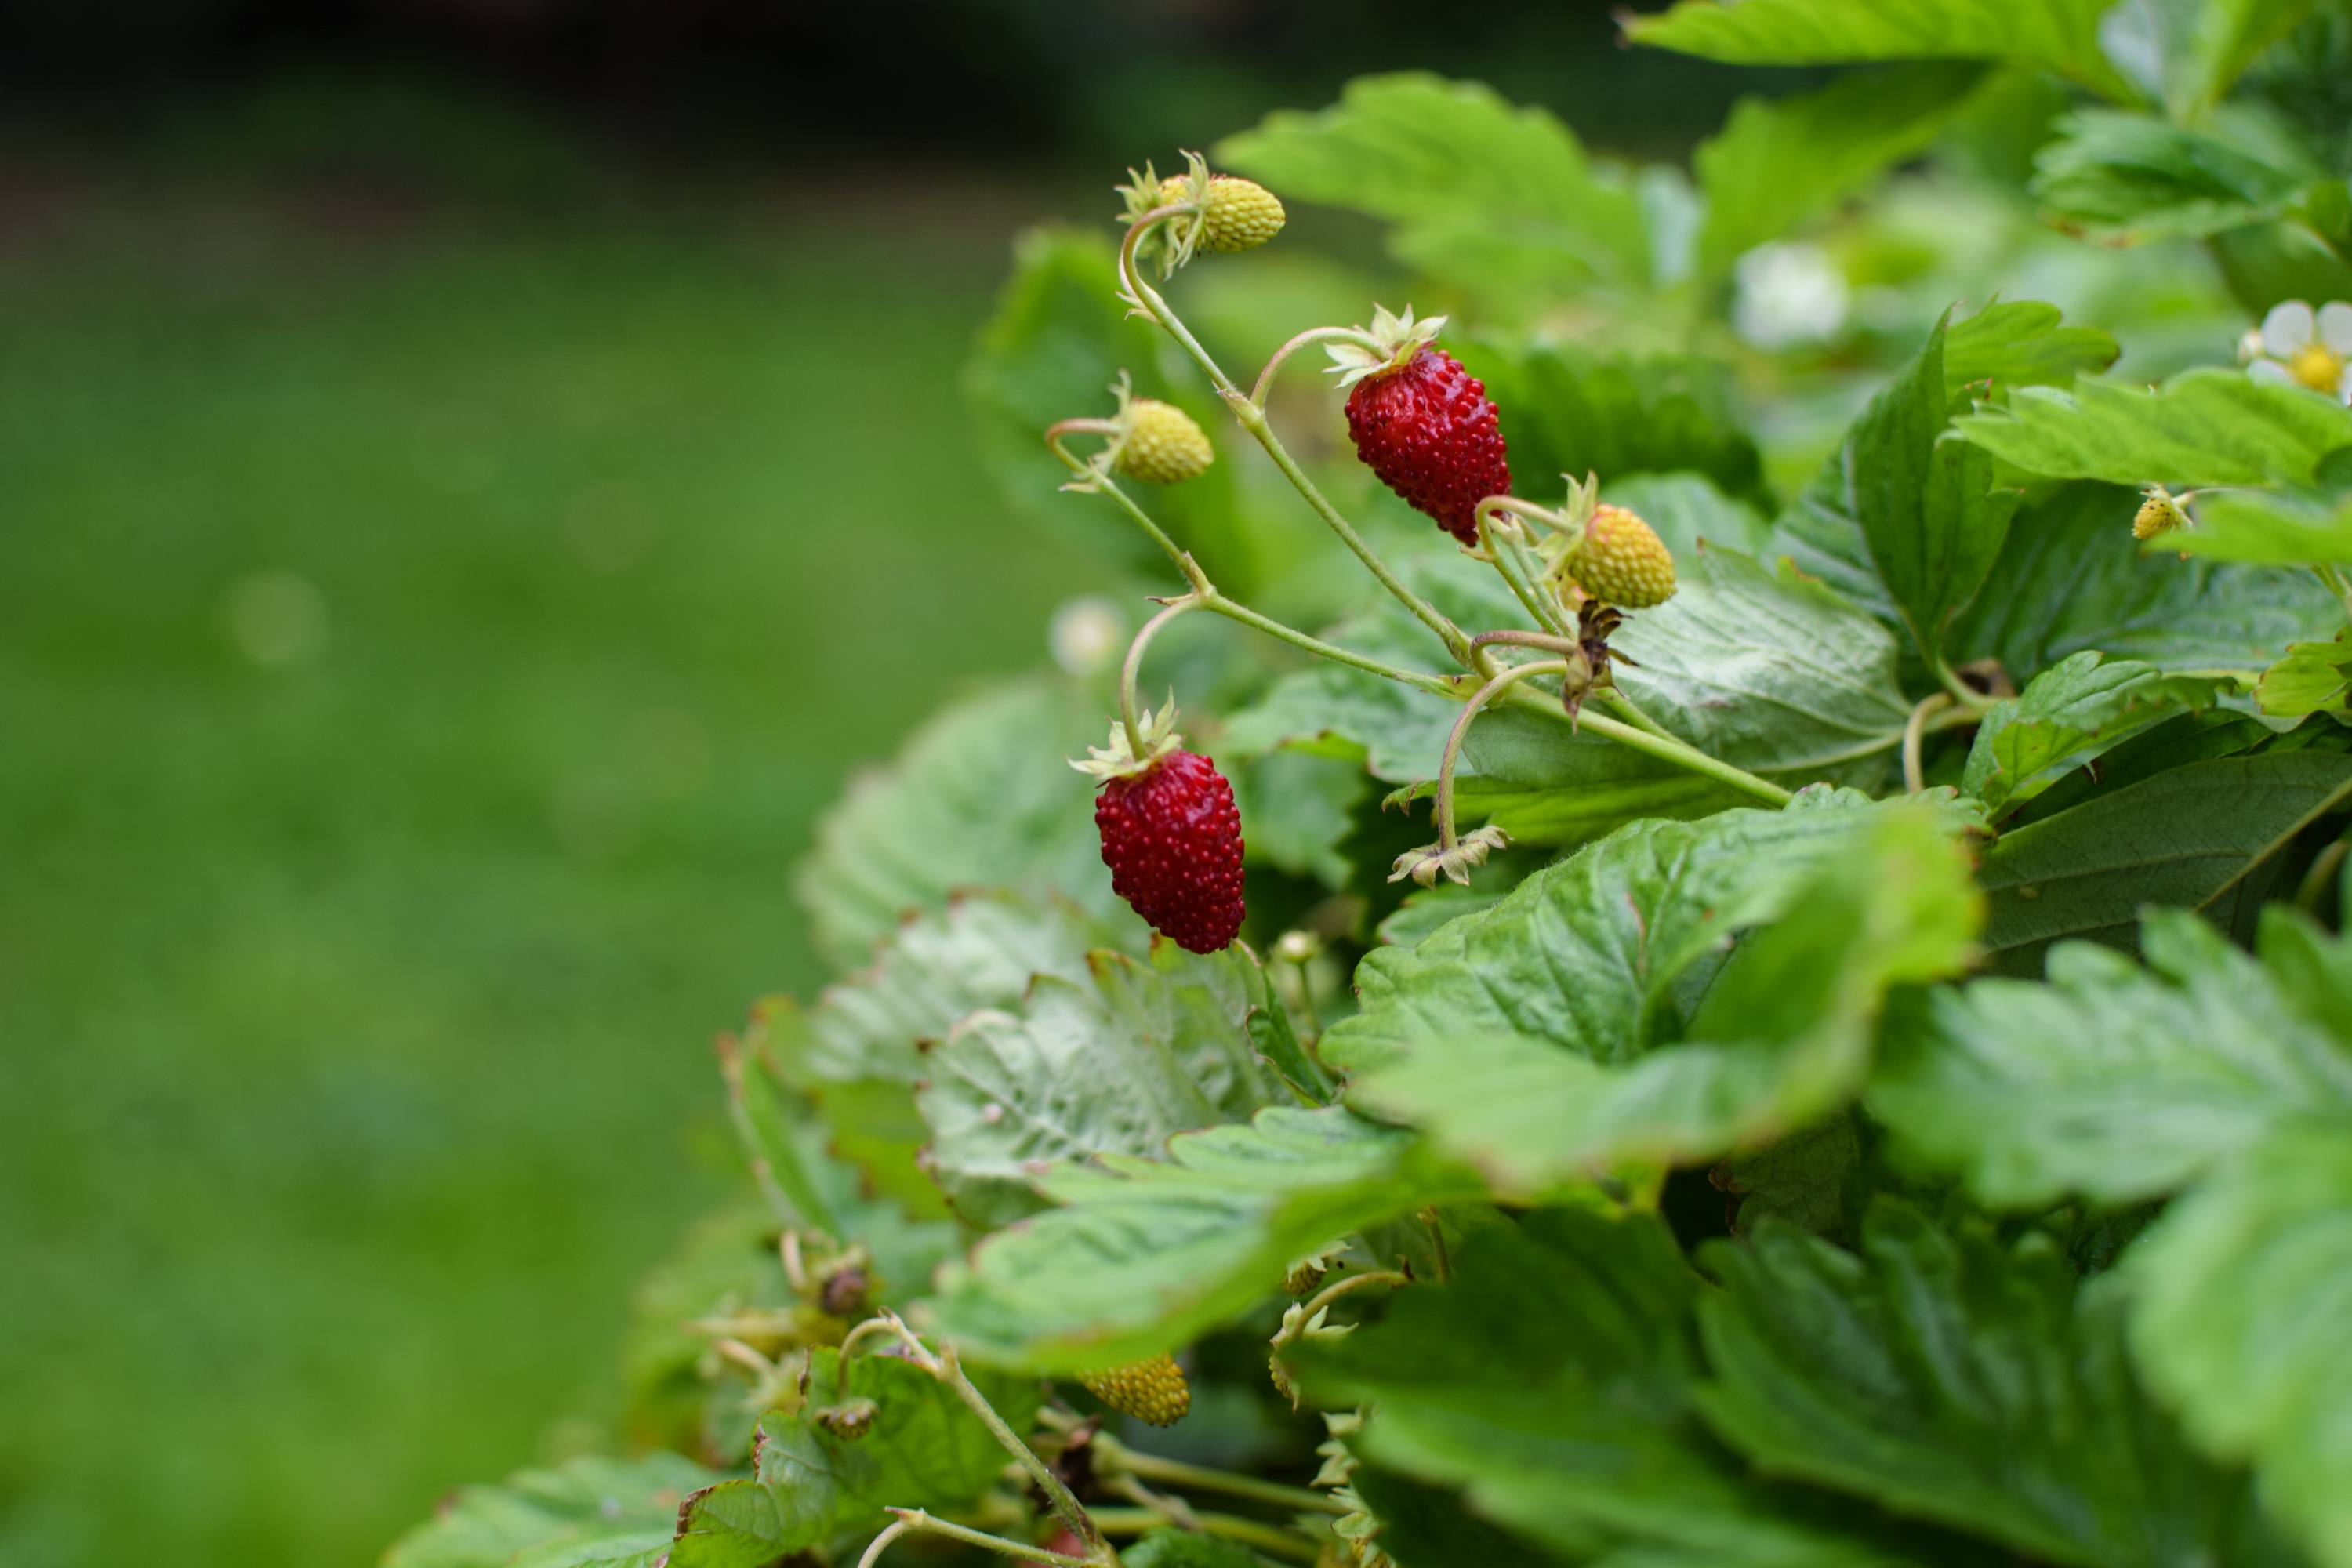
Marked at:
<point>1161,444</point>
<point>1622,562</point>
<point>1154,1391</point>
<point>2159,513</point>
<point>1235,215</point>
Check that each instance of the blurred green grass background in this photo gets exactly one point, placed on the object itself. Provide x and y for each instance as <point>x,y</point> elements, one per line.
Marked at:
<point>423,648</point>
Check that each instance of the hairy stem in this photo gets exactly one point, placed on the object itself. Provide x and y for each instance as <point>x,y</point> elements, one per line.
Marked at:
<point>1134,665</point>
<point>1483,695</point>
<point>911,1520</point>
<point>1915,729</point>
<point>1679,752</point>
<point>1393,1278</point>
<point>1311,336</point>
<point>1200,1478</point>
<point>1253,419</point>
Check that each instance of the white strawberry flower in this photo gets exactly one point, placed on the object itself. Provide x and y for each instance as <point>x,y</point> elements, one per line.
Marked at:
<point>2297,346</point>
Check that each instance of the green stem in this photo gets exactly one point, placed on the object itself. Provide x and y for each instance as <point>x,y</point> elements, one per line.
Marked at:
<point>1266,1538</point>
<point>1393,1279</point>
<point>2333,580</point>
<point>1631,711</point>
<point>915,1519</point>
<point>1483,695</point>
<point>1200,1478</point>
<point>1680,753</point>
<point>1134,665</point>
<point>1066,1506</point>
<point>1962,692</point>
<point>1089,479</point>
<point>1915,729</point>
<point>1253,419</point>
<point>1312,335</point>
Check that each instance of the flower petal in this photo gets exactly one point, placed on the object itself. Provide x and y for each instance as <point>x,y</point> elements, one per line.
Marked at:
<point>2270,373</point>
<point>2287,328</point>
<point>2336,326</point>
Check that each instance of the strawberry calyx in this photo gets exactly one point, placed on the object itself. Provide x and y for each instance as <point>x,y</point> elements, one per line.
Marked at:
<point>1154,737</point>
<point>1387,346</point>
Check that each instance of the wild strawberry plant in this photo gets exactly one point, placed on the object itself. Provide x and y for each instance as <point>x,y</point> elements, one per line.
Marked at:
<point>1688,984</point>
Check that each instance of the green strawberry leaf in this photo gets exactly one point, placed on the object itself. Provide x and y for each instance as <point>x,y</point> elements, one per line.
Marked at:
<point>858,1052</point>
<point>2125,179</point>
<point>2069,579</point>
<point>1114,1066</point>
<point>1949,1378</point>
<point>1496,200</point>
<point>2184,838</point>
<point>2065,712</point>
<point>981,796</point>
<point>2062,36</point>
<point>1145,1256</point>
<point>1570,410</point>
<point>1685,508</point>
<point>1764,670</point>
<point>2205,427</point>
<point>1780,161</point>
<point>1058,339</point>
<point>2020,342</point>
<point>1552,1381</point>
<point>2267,529</point>
<point>606,1511</point>
<point>1776,1037</point>
<point>2117,1082</point>
<point>924,1449</point>
<point>2242,1321</point>
<point>2312,678</point>
<point>1590,953</point>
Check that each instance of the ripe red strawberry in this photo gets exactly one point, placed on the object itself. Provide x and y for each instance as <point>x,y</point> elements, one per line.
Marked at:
<point>1423,423</point>
<point>1173,840</point>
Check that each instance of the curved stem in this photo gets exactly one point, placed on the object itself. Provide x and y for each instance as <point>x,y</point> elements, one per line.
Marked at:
<point>1253,419</point>
<point>1485,694</point>
<point>1962,692</point>
<point>1311,336</point>
<point>1681,753</point>
<point>1393,1277</point>
<point>1507,550</point>
<point>882,1541</point>
<point>1914,729</point>
<point>1066,1506</point>
<point>2324,866</point>
<point>914,1519</point>
<point>1089,479</point>
<point>1128,671</point>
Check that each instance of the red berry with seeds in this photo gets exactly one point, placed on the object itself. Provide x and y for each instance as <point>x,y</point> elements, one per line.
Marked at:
<point>1423,423</point>
<point>1173,840</point>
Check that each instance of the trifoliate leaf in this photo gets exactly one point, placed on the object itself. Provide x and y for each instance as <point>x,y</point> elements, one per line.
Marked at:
<point>1948,1378</point>
<point>2116,1082</point>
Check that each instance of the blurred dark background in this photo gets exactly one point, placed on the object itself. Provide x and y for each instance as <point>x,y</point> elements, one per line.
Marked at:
<point>454,459</point>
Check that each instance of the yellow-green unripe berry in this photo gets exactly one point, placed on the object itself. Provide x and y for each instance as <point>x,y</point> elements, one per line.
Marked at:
<point>2159,513</point>
<point>1237,215</point>
<point>1154,1391</point>
<point>1622,562</point>
<point>1160,445</point>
